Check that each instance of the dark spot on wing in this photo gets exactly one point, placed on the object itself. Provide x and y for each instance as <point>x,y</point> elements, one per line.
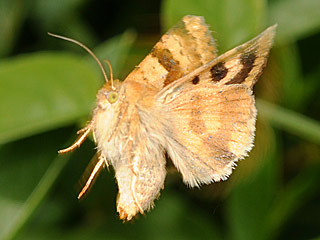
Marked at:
<point>195,80</point>
<point>218,72</point>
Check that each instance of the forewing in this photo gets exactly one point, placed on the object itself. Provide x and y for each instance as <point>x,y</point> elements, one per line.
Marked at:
<point>241,65</point>
<point>212,113</point>
<point>184,48</point>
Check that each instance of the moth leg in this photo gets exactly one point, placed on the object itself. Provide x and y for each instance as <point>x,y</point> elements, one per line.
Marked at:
<point>93,174</point>
<point>134,180</point>
<point>94,137</point>
<point>131,137</point>
<point>84,134</point>
<point>82,130</point>
<point>106,163</point>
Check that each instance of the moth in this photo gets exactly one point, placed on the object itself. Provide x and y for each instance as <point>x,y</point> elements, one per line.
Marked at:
<point>182,99</point>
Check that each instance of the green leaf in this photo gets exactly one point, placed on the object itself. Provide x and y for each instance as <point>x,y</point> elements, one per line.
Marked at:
<point>20,215</point>
<point>44,91</point>
<point>232,21</point>
<point>290,121</point>
<point>295,18</point>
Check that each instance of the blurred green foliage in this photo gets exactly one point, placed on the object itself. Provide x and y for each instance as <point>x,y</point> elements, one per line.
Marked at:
<point>46,94</point>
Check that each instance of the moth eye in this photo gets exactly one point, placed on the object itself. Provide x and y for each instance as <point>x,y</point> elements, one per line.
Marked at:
<point>112,97</point>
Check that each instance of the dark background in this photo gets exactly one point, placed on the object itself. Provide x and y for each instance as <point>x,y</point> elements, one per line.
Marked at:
<point>47,92</point>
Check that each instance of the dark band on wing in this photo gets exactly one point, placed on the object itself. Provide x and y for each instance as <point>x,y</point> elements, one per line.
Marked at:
<point>218,72</point>
<point>247,62</point>
<point>165,58</point>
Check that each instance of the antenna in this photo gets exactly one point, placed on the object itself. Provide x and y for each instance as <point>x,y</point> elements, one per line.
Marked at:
<point>111,73</point>
<point>88,50</point>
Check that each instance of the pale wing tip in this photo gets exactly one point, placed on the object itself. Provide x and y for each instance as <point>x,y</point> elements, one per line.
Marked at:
<point>193,18</point>
<point>270,31</point>
<point>267,36</point>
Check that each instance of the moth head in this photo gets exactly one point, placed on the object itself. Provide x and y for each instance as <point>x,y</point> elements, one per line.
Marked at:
<point>109,96</point>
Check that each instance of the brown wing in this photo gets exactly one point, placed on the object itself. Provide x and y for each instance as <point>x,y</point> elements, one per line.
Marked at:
<point>185,47</point>
<point>212,114</point>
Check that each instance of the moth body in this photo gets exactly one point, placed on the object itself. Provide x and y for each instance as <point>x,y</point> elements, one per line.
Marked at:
<point>129,135</point>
